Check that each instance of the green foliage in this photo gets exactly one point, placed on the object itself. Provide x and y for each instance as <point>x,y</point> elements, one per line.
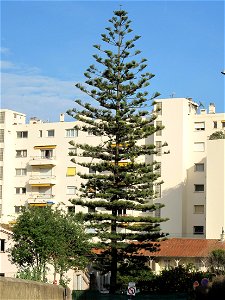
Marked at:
<point>216,261</point>
<point>174,280</point>
<point>218,135</point>
<point>30,274</point>
<point>116,111</point>
<point>134,270</point>
<point>45,236</point>
<point>217,290</point>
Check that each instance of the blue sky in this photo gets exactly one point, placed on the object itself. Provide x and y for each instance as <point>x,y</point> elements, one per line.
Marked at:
<point>47,45</point>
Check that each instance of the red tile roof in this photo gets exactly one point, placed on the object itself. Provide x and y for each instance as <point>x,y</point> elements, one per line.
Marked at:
<point>182,247</point>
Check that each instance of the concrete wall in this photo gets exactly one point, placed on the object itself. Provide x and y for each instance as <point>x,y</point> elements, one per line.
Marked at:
<point>15,289</point>
<point>215,203</point>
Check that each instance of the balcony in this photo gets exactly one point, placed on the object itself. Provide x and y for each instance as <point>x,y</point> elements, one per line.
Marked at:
<point>42,161</point>
<point>42,180</point>
<point>37,199</point>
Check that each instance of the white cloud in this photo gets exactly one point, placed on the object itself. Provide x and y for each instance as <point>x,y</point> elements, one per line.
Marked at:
<point>4,50</point>
<point>5,65</point>
<point>26,91</point>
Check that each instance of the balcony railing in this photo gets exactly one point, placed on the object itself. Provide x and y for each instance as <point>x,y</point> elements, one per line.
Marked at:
<point>42,180</point>
<point>42,160</point>
<point>36,199</point>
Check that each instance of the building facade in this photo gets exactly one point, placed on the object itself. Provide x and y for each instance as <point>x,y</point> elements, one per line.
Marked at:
<point>193,170</point>
<point>36,169</point>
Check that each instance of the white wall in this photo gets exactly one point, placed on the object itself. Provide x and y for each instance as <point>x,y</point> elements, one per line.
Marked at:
<point>215,203</point>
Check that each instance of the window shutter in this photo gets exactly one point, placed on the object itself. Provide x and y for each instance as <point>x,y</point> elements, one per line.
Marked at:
<point>71,171</point>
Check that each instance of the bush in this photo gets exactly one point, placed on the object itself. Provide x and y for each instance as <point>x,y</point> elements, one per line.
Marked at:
<point>173,280</point>
<point>217,291</point>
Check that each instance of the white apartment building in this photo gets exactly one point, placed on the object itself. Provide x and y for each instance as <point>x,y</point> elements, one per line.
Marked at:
<point>194,170</point>
<point>35,167</point>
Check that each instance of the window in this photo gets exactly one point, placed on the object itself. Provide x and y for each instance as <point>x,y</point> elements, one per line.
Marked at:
<point>198,230</point>
<point>72,151</point>
<point>71,209</point>
<point>159,148</point>
<point>2,245</point>
<point>198,209</point>
<point>199,125</point>
<point>71,190</point>
<point>158,108</point>
<point>22,134</point>
<point>71,171</point>
<point>47,153</point>
<point>91,209</point>
<point>1,172</point>
<point>92,171</point>
<point>159,124</point>
<point>19,209</point>
<point>1,154</point>
<point>0,191</point>
<point>71,132</point>
<point>158,190</point>
<point>199,146</point>
<point>40,133</point>
<point>21,172</point>
<point>199,187</point>
<point>121,212</point>
<point>51,133</point>
<point>223,123</point>
<point>214,124</point>
<point>2,117</point>
<point>199,167</point>
<point>167,263</point>
<point>20,190</point>
<point>1,135</point>
<point>158,168</point>
<point>21,153</point>
<point>158,210</point>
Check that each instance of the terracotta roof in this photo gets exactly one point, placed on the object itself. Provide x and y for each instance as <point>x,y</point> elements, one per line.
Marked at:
<point>181,247</point>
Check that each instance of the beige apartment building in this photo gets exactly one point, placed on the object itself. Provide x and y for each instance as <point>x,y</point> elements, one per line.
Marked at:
<point>194,169</point>
<point>36,170</point>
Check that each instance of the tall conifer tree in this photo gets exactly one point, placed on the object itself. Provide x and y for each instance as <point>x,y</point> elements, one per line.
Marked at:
<point>121,181</point>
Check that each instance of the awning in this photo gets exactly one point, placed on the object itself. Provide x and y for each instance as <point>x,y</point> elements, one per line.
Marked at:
<point>41,184</point>
<point>37,204</point>
<point>45,147</point>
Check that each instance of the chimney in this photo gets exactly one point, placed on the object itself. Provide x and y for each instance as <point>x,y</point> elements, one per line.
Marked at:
<point>61,117</point>
<point>212,108</point>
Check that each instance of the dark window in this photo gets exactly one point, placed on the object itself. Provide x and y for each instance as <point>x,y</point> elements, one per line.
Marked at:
<point>2,245</point>
<point>71,209</point>
<point>91,171</point>
<point>122,211</point>
<point>21,153</point>
<point>91,209</point>
<point>199,187</point>
<point>199,167</point>
<point>198,229</point>
<point>22,134</point>
<point>51,133</point>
